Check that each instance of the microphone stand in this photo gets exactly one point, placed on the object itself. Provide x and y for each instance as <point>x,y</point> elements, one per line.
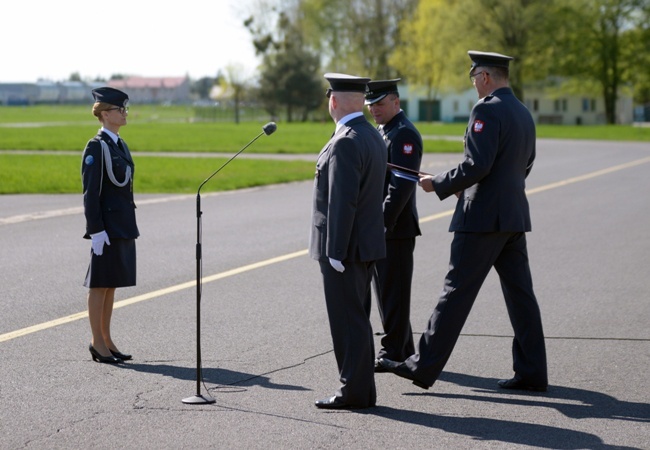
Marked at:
<point>199,398</point>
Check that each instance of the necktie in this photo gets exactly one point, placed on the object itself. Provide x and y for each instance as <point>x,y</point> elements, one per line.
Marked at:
<point>119,144</point>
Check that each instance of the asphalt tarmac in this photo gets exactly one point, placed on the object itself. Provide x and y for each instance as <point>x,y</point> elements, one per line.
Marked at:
<point>265,344</point>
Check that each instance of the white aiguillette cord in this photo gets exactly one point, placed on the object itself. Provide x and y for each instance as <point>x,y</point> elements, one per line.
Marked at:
<point>109,167</point>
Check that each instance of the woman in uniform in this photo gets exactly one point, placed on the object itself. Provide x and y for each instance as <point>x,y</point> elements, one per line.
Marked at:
<point>107,175</point>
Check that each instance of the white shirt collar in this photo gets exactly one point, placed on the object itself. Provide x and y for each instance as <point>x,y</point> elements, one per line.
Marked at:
<point>113,136</point>
<point>346,119</point>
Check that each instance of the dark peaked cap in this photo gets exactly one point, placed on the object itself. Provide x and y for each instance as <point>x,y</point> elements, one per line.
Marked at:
<point>489,59</point>
<point>379,89</point>
<point>341,82</point>
<point>111,96</point>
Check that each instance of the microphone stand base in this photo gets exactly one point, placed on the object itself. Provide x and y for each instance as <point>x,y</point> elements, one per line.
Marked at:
<point>199,400</point>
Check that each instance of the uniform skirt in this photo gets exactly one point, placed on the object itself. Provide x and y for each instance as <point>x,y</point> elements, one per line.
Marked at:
<point>114,268</point>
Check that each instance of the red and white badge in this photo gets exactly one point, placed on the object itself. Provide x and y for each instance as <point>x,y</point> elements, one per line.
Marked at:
<point>407,149</point>
<point>478,126</point>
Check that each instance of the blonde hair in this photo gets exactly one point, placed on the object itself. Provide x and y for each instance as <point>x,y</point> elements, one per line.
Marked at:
<point>98,107</point>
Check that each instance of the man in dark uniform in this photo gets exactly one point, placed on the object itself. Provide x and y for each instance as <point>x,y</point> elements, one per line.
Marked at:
<point>347,236</point>
<point>489,225</point>
<point>393,275</point>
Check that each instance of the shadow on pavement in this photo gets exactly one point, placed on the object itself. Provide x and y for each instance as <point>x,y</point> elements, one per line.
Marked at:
<point>585,404</point>
<point>499,431</point>
<point>572,402</point>
<point>212,376</point>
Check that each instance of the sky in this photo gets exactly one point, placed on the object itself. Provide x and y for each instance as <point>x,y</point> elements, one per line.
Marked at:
<point>44,39</point>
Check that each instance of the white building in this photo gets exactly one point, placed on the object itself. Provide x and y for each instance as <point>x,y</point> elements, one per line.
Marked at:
<point>565,110</point>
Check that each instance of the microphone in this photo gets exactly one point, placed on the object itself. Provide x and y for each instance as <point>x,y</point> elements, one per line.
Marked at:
<point>267,129</point>
<point>199,398</point>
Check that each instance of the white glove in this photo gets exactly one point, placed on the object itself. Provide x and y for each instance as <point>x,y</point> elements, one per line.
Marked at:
<point>99,239</point>
<point>338,265</point>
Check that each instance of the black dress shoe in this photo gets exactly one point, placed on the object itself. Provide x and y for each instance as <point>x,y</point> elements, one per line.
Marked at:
<point>379,368</point>
<point>103,359</point>
<point>122,356</point>
<point>401,369</point>
<point>334,402</point>
<point>514,383</point>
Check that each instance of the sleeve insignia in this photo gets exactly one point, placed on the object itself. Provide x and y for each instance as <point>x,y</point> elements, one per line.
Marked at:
<point>407,149</point>
<point>89,160</point>
<point>478,126</point>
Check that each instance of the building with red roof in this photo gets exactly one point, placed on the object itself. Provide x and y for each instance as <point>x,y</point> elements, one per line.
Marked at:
<point>154,89</point>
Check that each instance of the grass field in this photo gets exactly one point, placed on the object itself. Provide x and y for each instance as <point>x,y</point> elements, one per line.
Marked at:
<point>60,174</point>
<point>174,129</point>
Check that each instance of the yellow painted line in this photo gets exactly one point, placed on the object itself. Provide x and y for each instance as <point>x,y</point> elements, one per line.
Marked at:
<point>79,210</point>
<point>152,295</point>
<point>42,326</point>
<point>437,216</point>
<point>588,176</point>
<point>282,258</point>
<point>558,184</point>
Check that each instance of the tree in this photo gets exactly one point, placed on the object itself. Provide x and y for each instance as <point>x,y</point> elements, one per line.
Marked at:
<point>595,47</point>
<point>290,71</point>
<point>356,36</point>
<point>202,87</point>
<point>235,84</point>
<point>636,55</point>
<point>636,50</point>
<point>290,79</point>
<point>349,36</point>
<point>430,49</point>
<point>587,42</point>
<point>518,28</point>
<point>434,47</point>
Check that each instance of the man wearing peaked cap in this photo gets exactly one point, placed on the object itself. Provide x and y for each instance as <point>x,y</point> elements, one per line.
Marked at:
<point>490,223</point>
<point>340,82</point>
<point>379,89</point>
<point>489,59</point>
<point>393,275</point>
<point>347,236</point>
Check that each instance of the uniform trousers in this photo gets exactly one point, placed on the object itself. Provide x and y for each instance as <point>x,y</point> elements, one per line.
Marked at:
<point>349,318</point>
<point>392,282</point>
<point>472,257</point>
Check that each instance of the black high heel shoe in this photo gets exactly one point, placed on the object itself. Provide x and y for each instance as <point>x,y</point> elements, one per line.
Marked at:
<point>103,359</point>
<point>122,356</point>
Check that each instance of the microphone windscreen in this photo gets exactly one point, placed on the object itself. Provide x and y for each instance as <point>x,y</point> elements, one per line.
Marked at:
<point>269,128</point>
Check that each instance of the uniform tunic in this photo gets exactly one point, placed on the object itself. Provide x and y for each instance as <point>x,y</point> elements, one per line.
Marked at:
<point>111,208</point>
